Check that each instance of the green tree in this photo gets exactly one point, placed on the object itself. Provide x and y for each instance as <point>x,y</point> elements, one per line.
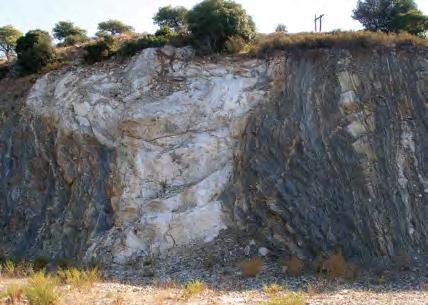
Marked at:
<point>34,50</point>
<point>8,37</point>
<point>174,18</point>
<point>281,28</point>
<point>213,22</point>
<point>68,33</point>
<point>113,27</point>
<point>390,16</point>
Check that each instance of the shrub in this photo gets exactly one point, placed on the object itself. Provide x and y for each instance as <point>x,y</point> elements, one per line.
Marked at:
<point>100,50</point>
<point>294,266</point>
<point>41,290</point>
<point>130,48</point>
<point>212,22</point>
<point>193,288</point>
<point>77,278</point>
<point>13,293</point>
<point>289,298</point>
<point>235,44</point>
<point>336,266</point>
<point>40,263</point>
<point>350,40</point>
<point>34,51</point>
<point>251,267</point>
<point>272,289</point>
<point>8,268</point>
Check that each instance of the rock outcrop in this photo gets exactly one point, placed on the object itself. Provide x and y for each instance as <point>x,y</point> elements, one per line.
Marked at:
<point>339,158</point>
<point>309,152</point>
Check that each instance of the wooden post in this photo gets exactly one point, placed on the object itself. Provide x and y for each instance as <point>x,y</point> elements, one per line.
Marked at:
<point>320,19</point>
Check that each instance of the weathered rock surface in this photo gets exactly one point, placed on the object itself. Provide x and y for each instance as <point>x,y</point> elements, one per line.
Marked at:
<point>339,159</point>
<point>308,152</point>
<point>126,161</point>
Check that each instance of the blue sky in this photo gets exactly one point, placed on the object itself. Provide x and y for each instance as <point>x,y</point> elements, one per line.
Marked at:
<point>296,14</point>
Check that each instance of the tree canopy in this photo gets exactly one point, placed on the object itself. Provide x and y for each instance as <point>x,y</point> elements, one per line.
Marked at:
<point>390,16</point>
<point>114,27</point>
<point>34,50</point>
<point>8,37</point>
<point>213,22</point>
<point>174,18</point>
<point>67,32</point>
<point>281,28</point>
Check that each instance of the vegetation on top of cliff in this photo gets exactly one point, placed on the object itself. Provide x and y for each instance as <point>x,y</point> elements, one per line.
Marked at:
<point>338,39</point>
<point>211,26</point>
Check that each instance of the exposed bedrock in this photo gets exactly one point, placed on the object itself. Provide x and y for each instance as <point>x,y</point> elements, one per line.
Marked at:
<point>308,152</point>
<point>339,158</point>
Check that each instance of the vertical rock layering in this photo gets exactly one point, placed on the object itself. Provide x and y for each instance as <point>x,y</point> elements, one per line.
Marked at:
<point>309,151</point>
<point>339,159</point>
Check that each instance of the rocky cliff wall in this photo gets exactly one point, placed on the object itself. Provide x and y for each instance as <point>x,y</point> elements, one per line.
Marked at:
<point>339,158</point>
<point>308,152</point>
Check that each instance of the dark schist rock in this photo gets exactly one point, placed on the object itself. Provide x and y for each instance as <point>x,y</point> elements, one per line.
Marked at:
<point>54,190</point>
<point>338,159</point>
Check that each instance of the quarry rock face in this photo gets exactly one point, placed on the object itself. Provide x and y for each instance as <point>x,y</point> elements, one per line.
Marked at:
<point>339,158</point>
<point>308,152</point>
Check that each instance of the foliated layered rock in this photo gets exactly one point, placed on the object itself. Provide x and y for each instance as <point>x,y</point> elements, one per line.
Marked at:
<point>308,152</point>
<point>339,158</point>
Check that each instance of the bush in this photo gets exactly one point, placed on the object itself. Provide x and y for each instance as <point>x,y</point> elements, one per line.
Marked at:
<point>13,293</point>
<point>213,22</point>
<point>272,289</point>
<point>336,266</point>
<point>39,263</point>
<point>41,290</point>
<point>251,267</point>
<point>100,50</point>
<point>68,33</point>
<point>130,48</point>
<point>34,51</point>
<point>349,40</point>
<point>77,278</point>
<point>235,44</point>
<point>289,298</point>
<point>193,288</point>
<point>294,266</point>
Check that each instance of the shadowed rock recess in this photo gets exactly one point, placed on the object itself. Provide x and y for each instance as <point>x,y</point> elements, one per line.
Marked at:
<point>308,152</point>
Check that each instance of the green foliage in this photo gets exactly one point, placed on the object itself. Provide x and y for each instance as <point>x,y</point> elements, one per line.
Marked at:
<point>39,263</point>
<point>8,37</point>
<point>173,18</point>
<point>113,27</point>
<point>390,16</point>
<point>8,268</point>
<point>281,28</point>
<point>212,22</point>
<point>100,50</point>
<point>130,48</point>
<point>34,51</point>
<point>68,33</point>
<point>41,290</point>
<point>234,44</point>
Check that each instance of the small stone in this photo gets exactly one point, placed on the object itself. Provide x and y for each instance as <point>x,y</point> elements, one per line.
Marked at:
<point>247,250</point>
<point>263,251</point>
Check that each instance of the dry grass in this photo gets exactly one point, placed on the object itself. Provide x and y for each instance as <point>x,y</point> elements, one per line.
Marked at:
<point>336,266</point>
<point>294,266</point>
<point>42,290</point>
<point>13,294</point>
<point>348,40</point>
<point>193,288</point>
<point>81,279</point>
<point>288,298</point>
<point>272,289</point>
<point>251,267</point>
